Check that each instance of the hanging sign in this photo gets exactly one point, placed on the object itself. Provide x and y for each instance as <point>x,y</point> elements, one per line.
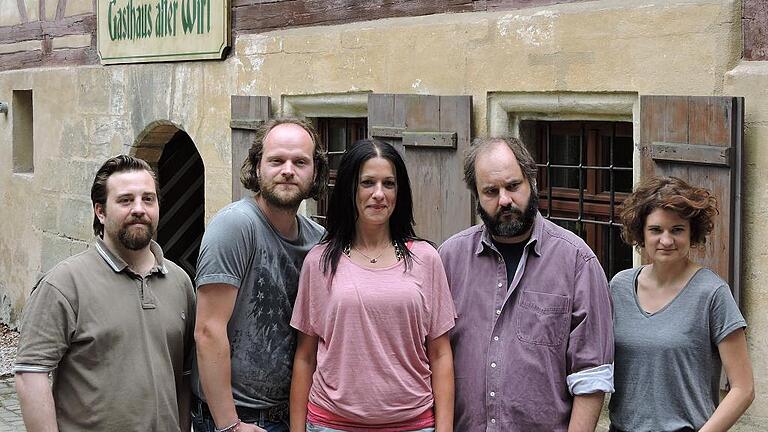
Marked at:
<point>140,31</point>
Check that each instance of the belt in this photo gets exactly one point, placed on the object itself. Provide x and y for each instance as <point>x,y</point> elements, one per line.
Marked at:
<point>278,413</point>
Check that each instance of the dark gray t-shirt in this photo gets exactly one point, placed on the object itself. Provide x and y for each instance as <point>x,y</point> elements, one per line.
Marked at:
<point>667,366</point>
<point>241,248</point>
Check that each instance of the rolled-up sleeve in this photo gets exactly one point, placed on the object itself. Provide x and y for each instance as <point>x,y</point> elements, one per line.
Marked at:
<point>589,358</point>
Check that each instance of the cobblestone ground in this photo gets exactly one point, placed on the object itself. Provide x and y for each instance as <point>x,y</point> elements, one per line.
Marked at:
<point>10,412</point>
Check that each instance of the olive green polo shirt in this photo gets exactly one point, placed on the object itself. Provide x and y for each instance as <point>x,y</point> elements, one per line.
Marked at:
<point>115,341</point>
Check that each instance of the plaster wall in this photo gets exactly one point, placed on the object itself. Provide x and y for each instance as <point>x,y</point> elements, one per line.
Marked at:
<point>750,79</point>
<point>83,115</point>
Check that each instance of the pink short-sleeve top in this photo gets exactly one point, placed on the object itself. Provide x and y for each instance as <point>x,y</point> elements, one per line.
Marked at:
<point>372,326</point>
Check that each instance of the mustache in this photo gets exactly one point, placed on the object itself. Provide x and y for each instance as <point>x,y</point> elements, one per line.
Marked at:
<point>510,209</point>
<point>143,221</point>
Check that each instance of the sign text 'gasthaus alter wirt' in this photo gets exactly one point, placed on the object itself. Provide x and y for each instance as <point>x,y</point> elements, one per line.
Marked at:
<point>140,31</point>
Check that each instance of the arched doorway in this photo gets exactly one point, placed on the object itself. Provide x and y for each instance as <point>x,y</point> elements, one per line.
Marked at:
<point>180,171</point>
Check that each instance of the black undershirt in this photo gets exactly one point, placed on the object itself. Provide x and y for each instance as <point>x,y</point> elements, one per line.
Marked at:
<point>511,252</point>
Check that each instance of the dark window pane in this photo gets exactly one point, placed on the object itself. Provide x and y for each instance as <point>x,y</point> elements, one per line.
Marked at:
<point>564,149</point>
<point>336,136</point>
<point>622,152</point>
<point>622,181</point>
<point>565,177</point>
<point>621,253</point>
<point>622,157</point>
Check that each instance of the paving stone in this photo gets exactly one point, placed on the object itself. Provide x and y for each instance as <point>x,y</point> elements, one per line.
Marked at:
<point>10,411</point>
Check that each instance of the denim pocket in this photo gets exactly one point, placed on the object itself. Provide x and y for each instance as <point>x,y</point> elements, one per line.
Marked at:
<point>202,424</point>
<point>542,319</point>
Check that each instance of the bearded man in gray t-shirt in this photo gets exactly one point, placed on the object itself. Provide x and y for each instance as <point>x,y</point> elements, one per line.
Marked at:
<point>247,278</point>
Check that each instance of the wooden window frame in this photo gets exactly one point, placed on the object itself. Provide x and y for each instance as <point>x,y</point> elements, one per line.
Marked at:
<point>356,128</point>
<point>592,207</point>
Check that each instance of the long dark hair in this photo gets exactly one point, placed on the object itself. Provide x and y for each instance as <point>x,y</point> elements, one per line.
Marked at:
<point>342,207</point>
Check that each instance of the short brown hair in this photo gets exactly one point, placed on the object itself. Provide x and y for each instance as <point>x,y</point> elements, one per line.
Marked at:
<point>114,165</point>
<point>480,145</point>
<point>248,172</point>
<point>694,204</point>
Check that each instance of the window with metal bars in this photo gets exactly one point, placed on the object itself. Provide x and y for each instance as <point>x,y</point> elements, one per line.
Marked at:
<point>336,136</point>
<point>585,173</point>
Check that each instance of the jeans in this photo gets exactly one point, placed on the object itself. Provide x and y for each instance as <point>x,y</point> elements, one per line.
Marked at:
<point>316,428</point>
<point>202,421</point>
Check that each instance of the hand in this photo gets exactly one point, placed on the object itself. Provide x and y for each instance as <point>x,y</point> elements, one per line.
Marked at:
<point>247,427</point>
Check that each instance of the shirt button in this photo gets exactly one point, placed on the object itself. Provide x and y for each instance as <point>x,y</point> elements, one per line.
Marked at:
<point>492,394</point>
<point>495,338</point>
<point>498,311</point>
<point>500,285</point>
<point>493,365</point>
<point>493,420</point>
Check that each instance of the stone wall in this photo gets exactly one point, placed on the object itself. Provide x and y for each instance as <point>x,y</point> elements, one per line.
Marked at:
<point>82,116</point>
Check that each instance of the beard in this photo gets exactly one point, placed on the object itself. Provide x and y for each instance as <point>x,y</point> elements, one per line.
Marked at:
<point>136,237</point>
<point>283,199</point>
<point>510,221</point>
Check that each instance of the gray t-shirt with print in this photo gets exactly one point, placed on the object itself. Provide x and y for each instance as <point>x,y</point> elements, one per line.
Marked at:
<point>667,366</point>
<point>241,248</point>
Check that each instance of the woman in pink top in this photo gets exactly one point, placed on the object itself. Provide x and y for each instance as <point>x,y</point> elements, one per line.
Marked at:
<point>373,310</point>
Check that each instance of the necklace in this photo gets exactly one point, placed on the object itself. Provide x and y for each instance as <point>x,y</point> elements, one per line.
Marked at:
<point>398,252</point>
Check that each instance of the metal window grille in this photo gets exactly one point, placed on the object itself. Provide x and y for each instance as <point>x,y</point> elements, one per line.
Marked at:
<point>582,219</point>
<point>336,136</point>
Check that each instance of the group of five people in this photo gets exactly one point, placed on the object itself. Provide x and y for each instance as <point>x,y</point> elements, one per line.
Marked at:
<point>507,326</point>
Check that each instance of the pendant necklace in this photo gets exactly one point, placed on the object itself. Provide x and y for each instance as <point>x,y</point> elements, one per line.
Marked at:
<point>373,260</point>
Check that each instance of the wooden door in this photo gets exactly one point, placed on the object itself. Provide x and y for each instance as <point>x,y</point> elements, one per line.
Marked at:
<point>699,139</point>
<point>432,133</point>
<point>248,113</point>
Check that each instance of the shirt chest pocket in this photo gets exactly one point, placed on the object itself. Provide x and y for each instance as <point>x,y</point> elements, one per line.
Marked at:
<point>542,319</point>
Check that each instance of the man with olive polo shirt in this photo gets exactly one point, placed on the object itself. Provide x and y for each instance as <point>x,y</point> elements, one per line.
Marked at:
<point>533,342</point>
<point>114,324</point>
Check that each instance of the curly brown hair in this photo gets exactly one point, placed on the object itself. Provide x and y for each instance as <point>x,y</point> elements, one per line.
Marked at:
<point>694,204</point>
<point>250,179</point>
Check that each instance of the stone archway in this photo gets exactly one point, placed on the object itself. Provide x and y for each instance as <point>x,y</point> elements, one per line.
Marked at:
<point>180,171</point>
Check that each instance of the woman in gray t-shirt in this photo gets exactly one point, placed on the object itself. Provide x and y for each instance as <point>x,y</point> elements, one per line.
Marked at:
<point>675,322</point>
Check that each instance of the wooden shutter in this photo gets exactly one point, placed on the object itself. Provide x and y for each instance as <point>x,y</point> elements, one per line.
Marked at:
<point>432,133</point>
<point>699,139</point>
<point>248,113</point>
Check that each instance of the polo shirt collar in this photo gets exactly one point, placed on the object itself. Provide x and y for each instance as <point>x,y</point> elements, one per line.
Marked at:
<point>486,242</point>
<point>117,264</point>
